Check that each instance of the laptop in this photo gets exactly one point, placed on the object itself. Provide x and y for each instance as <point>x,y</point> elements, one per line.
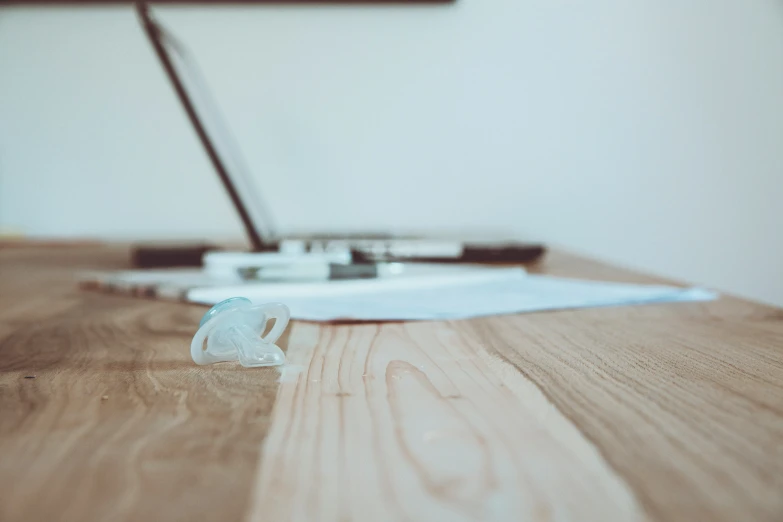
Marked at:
<point>190,88</point>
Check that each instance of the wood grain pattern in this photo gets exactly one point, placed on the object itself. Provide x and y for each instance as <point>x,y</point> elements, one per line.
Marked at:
<point>689,412</point>
<point>417,422</point>
<point>118,423</point>
<point>662,412</point>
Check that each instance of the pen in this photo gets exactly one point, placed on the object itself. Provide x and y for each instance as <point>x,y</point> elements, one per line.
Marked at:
<point>321,272</point>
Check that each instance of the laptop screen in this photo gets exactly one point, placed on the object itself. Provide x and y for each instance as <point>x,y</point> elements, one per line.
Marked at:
<point>215,136</point>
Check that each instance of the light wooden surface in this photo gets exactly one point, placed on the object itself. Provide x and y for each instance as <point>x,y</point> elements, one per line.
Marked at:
<point>663,412</point>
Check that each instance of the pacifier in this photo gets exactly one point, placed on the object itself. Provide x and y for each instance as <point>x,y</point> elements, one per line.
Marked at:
<point>234,330</point>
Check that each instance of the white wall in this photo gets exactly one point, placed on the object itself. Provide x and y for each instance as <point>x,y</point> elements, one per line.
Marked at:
<point>647,133</point>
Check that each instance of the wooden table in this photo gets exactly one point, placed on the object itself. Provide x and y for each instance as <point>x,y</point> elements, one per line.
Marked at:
<point>660,412</point>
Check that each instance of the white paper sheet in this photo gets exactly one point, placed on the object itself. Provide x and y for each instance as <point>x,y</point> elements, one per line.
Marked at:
<point>451,296</point>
